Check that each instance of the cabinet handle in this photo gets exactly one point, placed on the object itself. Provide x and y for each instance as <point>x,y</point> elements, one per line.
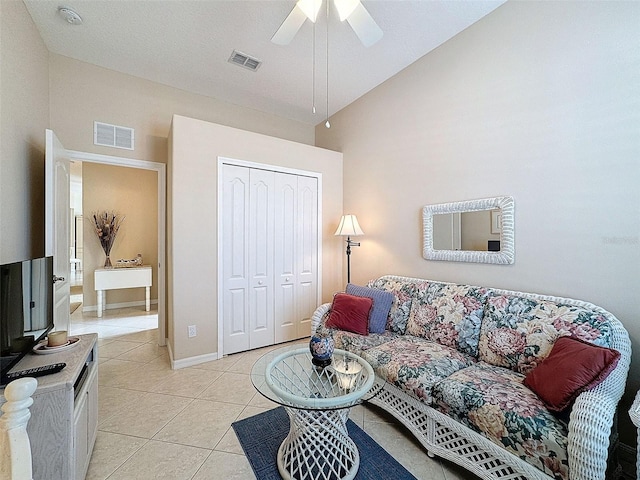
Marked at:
<point>57,279</point>
<point>259,282</point>
<point>286,279</point>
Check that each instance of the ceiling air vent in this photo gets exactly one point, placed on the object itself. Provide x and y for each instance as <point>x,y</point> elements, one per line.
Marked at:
<point>244,60</point>
<point>113,136</point>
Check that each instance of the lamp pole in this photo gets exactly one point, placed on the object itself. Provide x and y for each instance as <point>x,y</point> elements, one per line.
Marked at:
<point>349,244</point>
<point>349,226</point>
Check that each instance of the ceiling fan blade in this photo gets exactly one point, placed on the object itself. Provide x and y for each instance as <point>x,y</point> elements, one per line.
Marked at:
<point>364,25</point>
<point>289,27</point>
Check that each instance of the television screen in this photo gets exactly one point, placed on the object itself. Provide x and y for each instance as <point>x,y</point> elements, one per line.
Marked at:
<point>26,307</point>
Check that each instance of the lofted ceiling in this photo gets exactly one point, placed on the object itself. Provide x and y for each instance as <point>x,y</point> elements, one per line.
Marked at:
<point>187,43</point>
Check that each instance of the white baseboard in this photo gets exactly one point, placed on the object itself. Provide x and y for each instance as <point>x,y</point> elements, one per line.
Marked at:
<point>112,306</point>
<point>190,361</point>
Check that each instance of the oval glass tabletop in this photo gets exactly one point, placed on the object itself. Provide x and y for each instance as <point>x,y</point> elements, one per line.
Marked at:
<point>288,377</point>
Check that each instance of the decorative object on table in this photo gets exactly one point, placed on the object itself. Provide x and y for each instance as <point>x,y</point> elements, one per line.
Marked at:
<point>347,372</point>
<point>57,338</point>
<point>261,435</point>
<point>106,226</point>
<point>349,227</point>
<point>134,262</point>
<point>42,348</point>
<point>321,347</point>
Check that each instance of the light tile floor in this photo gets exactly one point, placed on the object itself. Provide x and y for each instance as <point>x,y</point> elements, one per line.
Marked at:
<point>158,423</point>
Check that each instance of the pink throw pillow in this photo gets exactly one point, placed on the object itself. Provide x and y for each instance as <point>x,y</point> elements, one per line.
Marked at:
<point>350,313</point>
<point>572,367</point>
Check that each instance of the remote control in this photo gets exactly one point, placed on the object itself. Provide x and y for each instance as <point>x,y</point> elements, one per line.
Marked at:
<point>34,372</point>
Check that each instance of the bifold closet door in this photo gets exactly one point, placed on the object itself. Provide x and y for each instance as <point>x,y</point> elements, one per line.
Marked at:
<point>296,255</point>
<point>261,225</point>
<point>248,238</point>
<point>307,228</point>
<point>269,256</point>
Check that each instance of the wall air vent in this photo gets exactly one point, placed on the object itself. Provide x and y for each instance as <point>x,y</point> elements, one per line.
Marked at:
<point>112,136</point>
<point>244,60</point>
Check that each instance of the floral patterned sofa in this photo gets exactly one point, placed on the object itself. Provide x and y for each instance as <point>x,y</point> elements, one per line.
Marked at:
<point>453,360</point>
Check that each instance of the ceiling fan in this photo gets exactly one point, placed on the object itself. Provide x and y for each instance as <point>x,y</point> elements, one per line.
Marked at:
<point>353,11</point>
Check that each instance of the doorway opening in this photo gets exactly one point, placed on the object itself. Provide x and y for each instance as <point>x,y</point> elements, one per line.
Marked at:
<point>79,277</point>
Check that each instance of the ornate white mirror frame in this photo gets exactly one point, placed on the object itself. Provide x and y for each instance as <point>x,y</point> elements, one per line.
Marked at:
<point>505,256</point>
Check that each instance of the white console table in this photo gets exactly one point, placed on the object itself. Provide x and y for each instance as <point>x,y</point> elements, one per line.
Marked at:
<point>115,278</point>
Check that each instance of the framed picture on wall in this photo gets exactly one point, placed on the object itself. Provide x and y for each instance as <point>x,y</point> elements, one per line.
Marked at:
<point>496,221</point>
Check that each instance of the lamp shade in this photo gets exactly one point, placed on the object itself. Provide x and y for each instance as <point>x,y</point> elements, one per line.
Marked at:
<point>349,226</point>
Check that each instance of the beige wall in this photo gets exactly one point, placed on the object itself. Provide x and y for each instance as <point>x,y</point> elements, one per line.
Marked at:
<point>538,100</point>
<point>24,115</point>
<point>192,242</point>
<point>82,93</point>
<point>130,192</point>
<point>99,94</point>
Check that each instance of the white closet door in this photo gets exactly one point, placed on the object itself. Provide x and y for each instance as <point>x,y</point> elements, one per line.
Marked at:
<point>269,255</point>
<point>235,228</point>
<point>286,251</point>
<point>307,254</point>
<point>261,241</point>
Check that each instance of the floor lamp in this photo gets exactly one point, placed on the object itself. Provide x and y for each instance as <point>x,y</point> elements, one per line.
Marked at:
<point>349,227</point>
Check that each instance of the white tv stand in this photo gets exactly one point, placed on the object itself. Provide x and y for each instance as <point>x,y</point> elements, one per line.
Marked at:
<point>64,415</point>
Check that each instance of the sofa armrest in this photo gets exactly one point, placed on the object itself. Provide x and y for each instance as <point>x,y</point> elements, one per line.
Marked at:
<point>318,315</point>
<point>634,412</point>
<point>589,431</point>
<point>592,415</point>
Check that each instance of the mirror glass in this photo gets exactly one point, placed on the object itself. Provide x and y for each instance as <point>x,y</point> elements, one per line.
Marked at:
<point>478,231</point>
<point>472,231</point>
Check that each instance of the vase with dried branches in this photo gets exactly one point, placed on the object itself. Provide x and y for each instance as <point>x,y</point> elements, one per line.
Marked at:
<point>106,225</point>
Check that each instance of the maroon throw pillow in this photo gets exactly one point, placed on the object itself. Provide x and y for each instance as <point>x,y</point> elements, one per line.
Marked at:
<point>572,367</point>
<point>350,313</point>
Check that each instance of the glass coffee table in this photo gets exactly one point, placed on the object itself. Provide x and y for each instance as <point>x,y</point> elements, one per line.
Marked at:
<point>317,401</point>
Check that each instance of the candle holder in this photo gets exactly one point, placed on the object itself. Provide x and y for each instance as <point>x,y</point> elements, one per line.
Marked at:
<point>347,373</point>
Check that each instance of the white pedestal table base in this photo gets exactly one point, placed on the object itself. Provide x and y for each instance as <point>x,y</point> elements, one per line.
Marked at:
<point>318,446</point>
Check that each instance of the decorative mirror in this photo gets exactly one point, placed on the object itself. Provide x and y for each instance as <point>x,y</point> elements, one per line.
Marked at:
<point>480,231</point>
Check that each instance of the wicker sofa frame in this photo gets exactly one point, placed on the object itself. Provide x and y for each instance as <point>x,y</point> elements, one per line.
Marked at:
<point>590,421</point>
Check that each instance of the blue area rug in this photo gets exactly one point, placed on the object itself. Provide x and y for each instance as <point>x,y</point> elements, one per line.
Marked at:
<point>261,436</point>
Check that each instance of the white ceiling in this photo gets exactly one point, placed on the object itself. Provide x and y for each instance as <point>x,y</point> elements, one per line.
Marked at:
<point>186,44</point>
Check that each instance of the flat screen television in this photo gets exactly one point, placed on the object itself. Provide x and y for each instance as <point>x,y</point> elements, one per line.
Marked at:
<point>26,308</point>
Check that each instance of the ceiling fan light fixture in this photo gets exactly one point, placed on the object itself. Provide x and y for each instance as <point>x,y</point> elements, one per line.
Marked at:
<point>345,8</point>
<point>311,8</point>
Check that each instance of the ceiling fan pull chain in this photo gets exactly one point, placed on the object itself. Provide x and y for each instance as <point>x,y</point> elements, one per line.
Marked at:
<point>313,71</point>
<point>327,124</point>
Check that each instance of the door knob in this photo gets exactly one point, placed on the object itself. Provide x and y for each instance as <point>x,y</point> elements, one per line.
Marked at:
<point>57,279</point>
